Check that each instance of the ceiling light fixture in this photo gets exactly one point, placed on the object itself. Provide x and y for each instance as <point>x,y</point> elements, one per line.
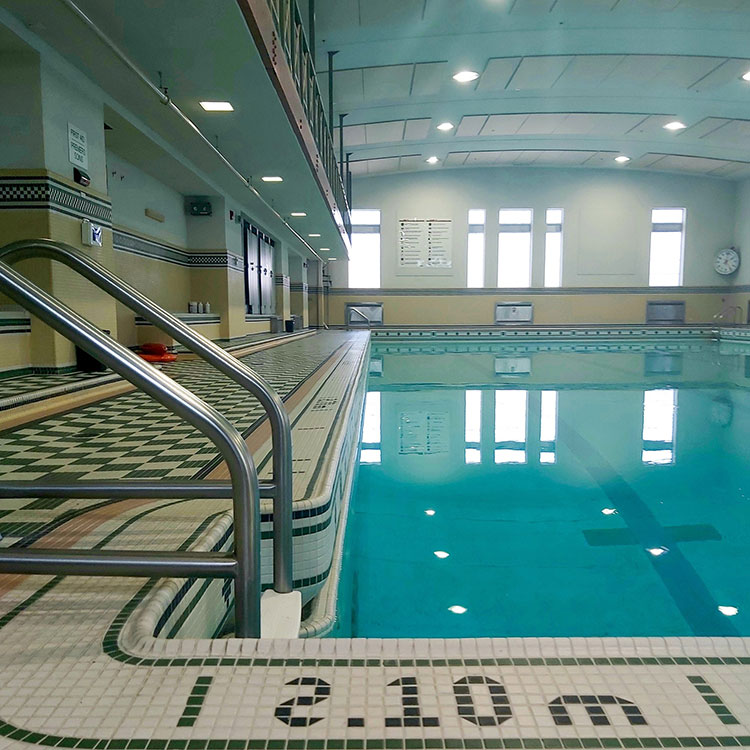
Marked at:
<point>622,159</point>
<point>746,77</point>
<point>609,511</point>
<point>298,213</point>
<point>675,125</point>
<point>457,609</point>
<point>217,106</point>
<point>429,512</point>
<point>325,249</point>
<point>466,76</point>
<point>432,160</point>
<point>657,551</point>
<point>442,555</point>
<point>313,235</point>
<point>272,178</point>
<point>445,126</point>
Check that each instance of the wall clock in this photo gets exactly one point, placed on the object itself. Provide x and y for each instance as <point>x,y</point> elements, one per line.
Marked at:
<point>727,261</point>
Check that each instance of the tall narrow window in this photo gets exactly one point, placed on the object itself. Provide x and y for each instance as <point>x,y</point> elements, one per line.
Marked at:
<point>659,426</point>
<point>514,248</point>
<point>473,427</point>
<point>667,245</point>
<point>553,248</point>
<point>370,452</point>
<point>548,428</point>
<point>475,252</point>
<point>511,408</point>
<point>364,261</point>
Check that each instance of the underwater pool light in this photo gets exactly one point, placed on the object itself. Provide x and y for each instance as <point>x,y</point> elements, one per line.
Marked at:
<point>457,609</point>
<point>728,610</point>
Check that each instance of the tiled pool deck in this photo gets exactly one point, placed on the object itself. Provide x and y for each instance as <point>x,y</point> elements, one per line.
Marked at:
<point>80,668</point>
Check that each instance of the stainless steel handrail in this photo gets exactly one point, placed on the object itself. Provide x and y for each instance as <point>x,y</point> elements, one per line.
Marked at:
<point>244,565</point>
<point>281,436</point>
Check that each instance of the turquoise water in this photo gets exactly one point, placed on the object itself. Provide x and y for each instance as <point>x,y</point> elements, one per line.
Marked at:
<point>567,493</point>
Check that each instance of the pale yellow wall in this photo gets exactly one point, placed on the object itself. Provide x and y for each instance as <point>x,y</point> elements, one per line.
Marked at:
<point>150,333</point>
<point>549,309</point>
<point>14,351</point>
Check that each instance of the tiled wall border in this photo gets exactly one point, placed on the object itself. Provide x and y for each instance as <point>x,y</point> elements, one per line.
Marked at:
<point>49,194</point>
<point>654,291</point>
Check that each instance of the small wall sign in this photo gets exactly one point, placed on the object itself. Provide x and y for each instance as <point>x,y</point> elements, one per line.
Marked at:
<point>78,147</point>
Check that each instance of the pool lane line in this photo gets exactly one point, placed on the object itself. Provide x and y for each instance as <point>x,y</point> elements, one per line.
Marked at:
<point>690,594</point>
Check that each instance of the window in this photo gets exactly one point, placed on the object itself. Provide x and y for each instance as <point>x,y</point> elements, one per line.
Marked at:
<point>553,248</point>
<point>548,428</point>
<point>475,252</point>
<point>473,427</point>
<point>514,248</point>
<point>511,408</point>
<point>667,244</point>
<point>659,426</point>
<point>370,451</point>
<point>364,262</point>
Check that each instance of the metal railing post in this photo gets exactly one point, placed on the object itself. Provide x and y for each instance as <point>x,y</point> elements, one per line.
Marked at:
<point>246,565</point>
<point>223,361</point>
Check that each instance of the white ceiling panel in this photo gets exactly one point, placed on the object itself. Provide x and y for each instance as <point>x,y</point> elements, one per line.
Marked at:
<point>585,6</point>
<point>715,6</point>
<point>497,73</point>
<point>732,169</point>
<point>729,72</point>
<point>613,124</point>
<point>348,86</point>
<point>455,158</point>
<point>387,82</point>
<point>704,128</point>
<point>527,157</point>
<point>503,125</point>
<point>416,130</point>
<point>384,132</point>
<point>684,72</point>
<point>428,78</point>
<point>411,162</point>
<point>532,6</point>
<point>541,124</point>
<point>358,168</point>
<point>696,164</point>
<point>375,166</point>
<point>634,70</point>
<point>507,157</point>
<point>389,12</point>
<point>654,126</point>
<point>734,131</point>
<point>648,5</point>
<point>588,70</point>
<point>470,126</point>
<point>354,135</point>
<point>481,157</point>
<point>647,160</point>
<point>538,73</point>
<point>564,158</point>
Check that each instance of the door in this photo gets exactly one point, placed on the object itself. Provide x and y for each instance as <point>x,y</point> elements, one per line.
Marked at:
<point>252,270</point>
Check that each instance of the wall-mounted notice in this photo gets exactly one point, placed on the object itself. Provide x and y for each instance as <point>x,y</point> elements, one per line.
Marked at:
<point>425,243</point>
<point>78,147</point>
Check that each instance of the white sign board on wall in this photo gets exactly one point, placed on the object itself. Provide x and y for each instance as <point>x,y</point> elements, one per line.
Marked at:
<point>424,244</point>
<point>78,147</point>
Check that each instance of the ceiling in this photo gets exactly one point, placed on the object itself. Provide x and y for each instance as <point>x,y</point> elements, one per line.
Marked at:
<point>562,82</point>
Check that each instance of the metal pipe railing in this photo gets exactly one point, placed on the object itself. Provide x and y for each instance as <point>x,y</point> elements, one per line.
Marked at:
<point>244,566</point>
<point>223,361</point>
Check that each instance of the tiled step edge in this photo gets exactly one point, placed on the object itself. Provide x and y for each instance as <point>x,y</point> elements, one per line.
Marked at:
<point>21,399</point>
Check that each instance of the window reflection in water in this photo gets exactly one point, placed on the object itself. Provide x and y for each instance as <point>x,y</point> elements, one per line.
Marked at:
<point>548,428</point>
<point>659,422</point>
<point>473,427</point>
<point>511,408</point>
<point>370,453</point>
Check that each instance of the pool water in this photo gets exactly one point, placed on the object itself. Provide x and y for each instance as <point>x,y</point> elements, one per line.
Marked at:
<point>551,491</point>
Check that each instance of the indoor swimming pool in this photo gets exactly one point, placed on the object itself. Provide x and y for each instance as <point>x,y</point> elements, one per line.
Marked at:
<point>551,490</point>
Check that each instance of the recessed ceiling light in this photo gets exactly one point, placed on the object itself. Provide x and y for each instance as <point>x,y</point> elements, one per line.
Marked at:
<point>432,160</point>
<point>429,512</point>
<point>272,178</point>
<point>618,159</point>
<point>457,609</point>
<point>609,511</point>
<point>445,126</point>
<point>746,77</point>
<point>313,235</point>
<point>442,555</point>
<point>298,213</point>
<point>217,106</point>
<point>466,76</point>
<point>657,551</point>
<point>728,611</point>
<point>325,249</point>
<point>675,125</point>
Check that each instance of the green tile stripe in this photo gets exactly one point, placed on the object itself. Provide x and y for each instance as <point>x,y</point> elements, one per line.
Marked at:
<point>712,698</point>
<point>195,701</point>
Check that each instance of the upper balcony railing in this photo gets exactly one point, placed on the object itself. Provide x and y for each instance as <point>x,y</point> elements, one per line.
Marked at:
<point>291,32</point>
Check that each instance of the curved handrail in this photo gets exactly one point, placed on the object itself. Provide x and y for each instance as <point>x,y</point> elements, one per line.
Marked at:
<point>281,436</point>
<point>246,564</point>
